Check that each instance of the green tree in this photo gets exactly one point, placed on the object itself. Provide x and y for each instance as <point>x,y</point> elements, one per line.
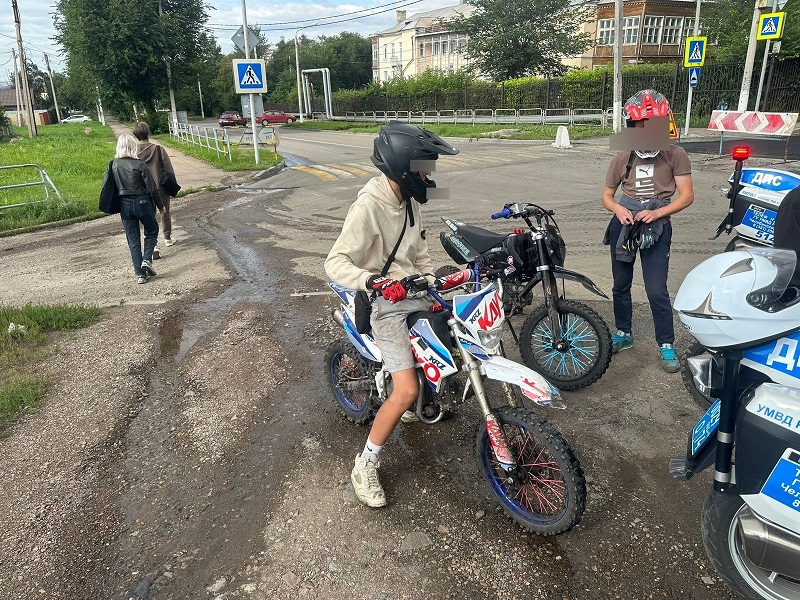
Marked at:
<point>726,23</point>
<point>515,38</point>
<point>122,45</point>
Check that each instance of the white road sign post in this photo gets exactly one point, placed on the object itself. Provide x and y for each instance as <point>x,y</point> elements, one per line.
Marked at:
<point>249,77</point>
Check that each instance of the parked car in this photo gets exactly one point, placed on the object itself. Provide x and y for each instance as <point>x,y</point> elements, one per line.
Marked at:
<point>76,119</point>
<point>231,118</point>
<point>275,116</point>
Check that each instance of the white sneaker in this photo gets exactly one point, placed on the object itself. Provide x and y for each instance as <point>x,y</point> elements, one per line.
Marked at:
<point>156,253</point>
<point>169,242</point>
<point>409,417</point>
<point>365,483</point>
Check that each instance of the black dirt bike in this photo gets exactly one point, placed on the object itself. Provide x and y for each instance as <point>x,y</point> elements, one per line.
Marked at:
<point>564,340</point>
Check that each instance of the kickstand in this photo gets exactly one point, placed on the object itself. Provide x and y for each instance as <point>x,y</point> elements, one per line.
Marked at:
<point>513,333</point>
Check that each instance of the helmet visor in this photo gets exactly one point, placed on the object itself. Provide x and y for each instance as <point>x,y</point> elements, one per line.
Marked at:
<point>781,264</point>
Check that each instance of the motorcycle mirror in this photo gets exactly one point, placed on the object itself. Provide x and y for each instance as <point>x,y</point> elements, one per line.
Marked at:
<point>741,153</point>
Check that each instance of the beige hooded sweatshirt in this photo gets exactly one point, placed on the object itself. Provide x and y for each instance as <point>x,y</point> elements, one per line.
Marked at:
<point>369,234</point>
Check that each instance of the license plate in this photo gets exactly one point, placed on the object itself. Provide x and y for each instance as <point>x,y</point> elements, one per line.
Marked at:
<point>783,483</point>
<point>706,427</point>
<point>761,221</point>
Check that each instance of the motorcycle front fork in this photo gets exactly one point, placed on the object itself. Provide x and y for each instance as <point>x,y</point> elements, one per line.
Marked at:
<point>500,447</point>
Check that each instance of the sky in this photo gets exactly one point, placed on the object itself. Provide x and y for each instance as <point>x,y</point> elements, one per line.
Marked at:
<point>277,19</point>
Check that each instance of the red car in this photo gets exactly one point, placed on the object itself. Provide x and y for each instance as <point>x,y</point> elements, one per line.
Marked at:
<point>231,118</point>
<point>275,116</point>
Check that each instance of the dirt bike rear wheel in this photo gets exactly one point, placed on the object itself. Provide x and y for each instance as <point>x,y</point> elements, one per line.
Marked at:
<point>720,528</point>
<point>587,345</point>
<point>351,381</point>
<point>552,497</point>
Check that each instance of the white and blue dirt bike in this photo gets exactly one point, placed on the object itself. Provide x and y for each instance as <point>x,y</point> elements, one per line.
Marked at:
<point>751,220</point>
<point>528,466</point>
<point>564,340</point>
<point>739,306</point>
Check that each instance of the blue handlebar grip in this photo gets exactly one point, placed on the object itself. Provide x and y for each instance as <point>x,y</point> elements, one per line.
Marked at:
<point>503,214</point>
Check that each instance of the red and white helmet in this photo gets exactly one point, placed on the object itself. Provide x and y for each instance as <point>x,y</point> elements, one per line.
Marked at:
<point>645,104</point>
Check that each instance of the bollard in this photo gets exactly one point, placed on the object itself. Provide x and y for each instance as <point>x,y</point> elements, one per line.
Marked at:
<point>562,138</point>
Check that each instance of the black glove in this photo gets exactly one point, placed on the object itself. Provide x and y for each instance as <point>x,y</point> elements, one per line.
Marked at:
<point>391,289</point>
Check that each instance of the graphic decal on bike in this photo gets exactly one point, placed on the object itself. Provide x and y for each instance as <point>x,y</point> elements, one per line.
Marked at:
<point>779,359</point>
<point>483,308</point>
<point>777,404</point>
<point>434,358</point>
<point>501,451</point>
<point>783,484</point>
<point>766,185</point>
<point>759,223</point>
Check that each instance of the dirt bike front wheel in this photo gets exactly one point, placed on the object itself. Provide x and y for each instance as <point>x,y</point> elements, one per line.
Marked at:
<point>351,382</point>
<point>550,496</point>
<point>582,354</point>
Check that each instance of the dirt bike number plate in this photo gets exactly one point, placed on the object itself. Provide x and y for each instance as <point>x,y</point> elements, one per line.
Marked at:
<point>705,428</point>
<point>783,484</point>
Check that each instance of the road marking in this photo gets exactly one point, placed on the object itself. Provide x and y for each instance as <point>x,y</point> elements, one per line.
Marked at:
<point>283,137</point>
<point>353,170</point>
<point>452,161</point>
<point>324,175</point>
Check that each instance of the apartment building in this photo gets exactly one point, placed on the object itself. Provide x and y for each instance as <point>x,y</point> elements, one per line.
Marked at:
<point>419,42</point>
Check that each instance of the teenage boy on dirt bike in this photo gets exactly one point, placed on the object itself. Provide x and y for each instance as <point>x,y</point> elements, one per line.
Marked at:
<point>649,180</point>
<point>384,218</point>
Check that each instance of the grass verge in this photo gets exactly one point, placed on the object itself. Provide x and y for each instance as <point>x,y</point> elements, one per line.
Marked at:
<point>526,131</point>
<point>243,160</point>
<point>74,156</point>
<point>23,341</point>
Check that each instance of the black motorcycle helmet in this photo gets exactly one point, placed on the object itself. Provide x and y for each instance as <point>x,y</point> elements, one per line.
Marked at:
<point>397,145</point>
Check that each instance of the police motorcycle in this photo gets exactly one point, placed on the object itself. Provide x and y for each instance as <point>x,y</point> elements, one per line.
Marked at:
<point>739,306</point>
<point>526,463</point>
<point>565,340</point>
<point>750,218</point>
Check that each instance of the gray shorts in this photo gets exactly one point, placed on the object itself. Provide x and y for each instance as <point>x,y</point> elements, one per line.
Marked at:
<point>391,332</point>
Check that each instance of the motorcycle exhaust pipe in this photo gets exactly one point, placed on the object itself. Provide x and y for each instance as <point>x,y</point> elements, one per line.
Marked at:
<point>336,313</point>
<point>768,546</point>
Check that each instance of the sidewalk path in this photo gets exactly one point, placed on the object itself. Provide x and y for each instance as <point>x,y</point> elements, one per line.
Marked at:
<point>190,172</point>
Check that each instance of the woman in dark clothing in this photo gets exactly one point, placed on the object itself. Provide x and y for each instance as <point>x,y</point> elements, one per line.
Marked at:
<point>139,194</point>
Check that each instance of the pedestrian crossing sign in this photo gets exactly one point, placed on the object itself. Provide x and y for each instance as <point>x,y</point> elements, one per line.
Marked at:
<point>248,76</point>
<point>695,52</point>
<point>770,26</point>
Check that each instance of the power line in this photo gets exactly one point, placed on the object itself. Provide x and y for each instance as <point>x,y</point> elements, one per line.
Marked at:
<point>235,27</point>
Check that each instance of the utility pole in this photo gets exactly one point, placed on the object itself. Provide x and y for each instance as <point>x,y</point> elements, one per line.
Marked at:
<point>100,115</point>
<point>28,106</point>
<point>200,91</point>
<point>53,88</point>
<point>744,93</point>
<point>17,89</point>
<point>689,94</point>
<point>617,111</point>
<point>767,47</point>
<point>169,76</point>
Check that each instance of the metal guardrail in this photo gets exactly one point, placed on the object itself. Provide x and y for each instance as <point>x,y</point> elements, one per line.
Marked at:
<point>210,138</point>
<point>493,116</point>
<point>44,181</point>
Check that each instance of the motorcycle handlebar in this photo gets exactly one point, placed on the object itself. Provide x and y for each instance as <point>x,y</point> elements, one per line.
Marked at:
<point>503,214</point>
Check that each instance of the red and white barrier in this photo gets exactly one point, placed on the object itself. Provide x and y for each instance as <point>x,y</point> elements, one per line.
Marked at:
<point>753,122</point>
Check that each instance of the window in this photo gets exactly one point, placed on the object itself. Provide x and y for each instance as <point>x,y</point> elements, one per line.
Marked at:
<point>422,50</point>
<point>386,75</point>
<point>630,30</point>
<point>385,52</point>
<point>672,30</point>
<point>375,51</point>
<point>393,56</point>
<point>652,30</point>
<point>689,27</point>
<point>453,46</point>
<point>605,32</point>
<point>400,52</point>
<point>435,48</point>
<point>376,75</point>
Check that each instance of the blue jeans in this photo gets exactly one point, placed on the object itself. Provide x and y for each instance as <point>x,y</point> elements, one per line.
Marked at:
<point>655,266</point>
<point>136,210</point>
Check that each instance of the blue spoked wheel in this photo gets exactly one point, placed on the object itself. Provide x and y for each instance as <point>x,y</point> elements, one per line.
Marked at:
<point>579,357</point>
<point>352,381</point>
<point>548,494</point>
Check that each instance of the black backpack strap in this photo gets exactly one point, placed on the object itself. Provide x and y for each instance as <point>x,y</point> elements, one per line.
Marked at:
<point>390,260</point>
<point>629,165</point>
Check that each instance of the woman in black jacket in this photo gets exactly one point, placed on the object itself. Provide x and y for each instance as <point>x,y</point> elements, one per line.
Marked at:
<point>139,194</point>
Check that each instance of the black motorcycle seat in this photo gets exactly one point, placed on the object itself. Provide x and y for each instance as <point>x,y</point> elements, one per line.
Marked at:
<point>438,322</point>
<point>481,239</point>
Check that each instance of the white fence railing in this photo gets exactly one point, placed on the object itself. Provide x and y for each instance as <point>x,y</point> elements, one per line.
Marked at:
<point>493,116</point>
<point>42,180</point>
<point>211,138</point>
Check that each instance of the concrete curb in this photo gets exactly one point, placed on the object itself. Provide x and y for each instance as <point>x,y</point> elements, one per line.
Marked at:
<point>274,170</point>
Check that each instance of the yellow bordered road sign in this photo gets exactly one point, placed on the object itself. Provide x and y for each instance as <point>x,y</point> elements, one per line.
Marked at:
<point>694,54</point>
<point>770,26</point>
